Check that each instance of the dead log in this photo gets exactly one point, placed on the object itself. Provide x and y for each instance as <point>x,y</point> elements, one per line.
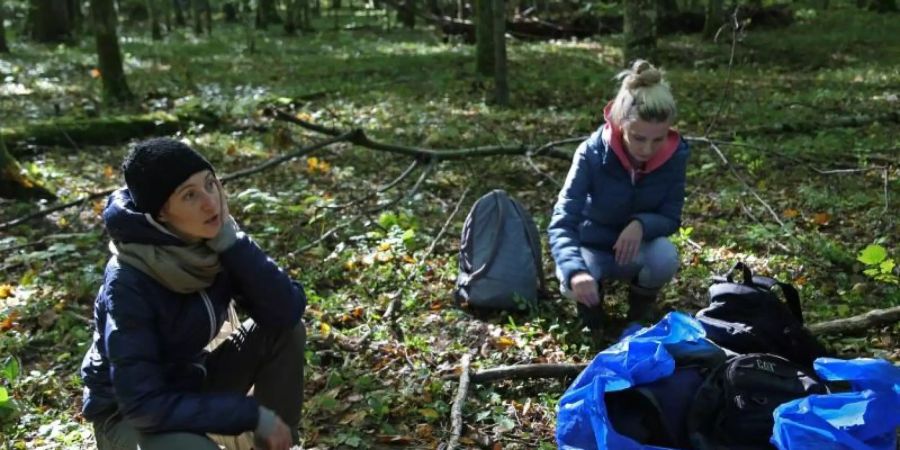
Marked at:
<point>458,402</point>
<point>112,130</point>
<point>872,319</point>
<point>854,324</point>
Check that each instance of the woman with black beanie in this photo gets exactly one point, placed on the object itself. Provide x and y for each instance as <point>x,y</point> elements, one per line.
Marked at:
<point>178,260</point>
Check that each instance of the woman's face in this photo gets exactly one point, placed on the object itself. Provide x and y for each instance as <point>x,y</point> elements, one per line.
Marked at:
<point>644,139</point>
<point>194,209</point>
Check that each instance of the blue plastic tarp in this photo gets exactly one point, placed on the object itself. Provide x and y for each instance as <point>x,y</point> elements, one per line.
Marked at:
<point>863,419</point>
<point>641,357</point>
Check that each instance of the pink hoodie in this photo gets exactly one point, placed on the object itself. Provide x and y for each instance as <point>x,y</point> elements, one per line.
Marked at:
<point>613,134</point>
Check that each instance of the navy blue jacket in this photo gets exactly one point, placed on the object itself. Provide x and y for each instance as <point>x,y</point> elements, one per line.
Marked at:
<point>603,194</point>
<point>146,358</point>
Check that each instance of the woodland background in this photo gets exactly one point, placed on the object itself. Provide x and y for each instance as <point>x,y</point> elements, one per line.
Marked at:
<point>358,134</point>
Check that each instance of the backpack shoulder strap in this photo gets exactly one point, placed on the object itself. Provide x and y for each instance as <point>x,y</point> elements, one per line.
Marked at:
<point>481,271</point>
<point>791,296</point>
<point>535,241</point>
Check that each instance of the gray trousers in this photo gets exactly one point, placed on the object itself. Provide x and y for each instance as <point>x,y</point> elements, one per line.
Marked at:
<point>269,362</point>
<point>656,264</point>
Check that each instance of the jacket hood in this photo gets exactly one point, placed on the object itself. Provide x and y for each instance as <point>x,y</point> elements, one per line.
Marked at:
<point>612,135</point>
<point>128,225</point>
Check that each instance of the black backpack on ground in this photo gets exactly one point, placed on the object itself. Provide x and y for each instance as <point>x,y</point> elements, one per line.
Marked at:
<point>749,317</point>
<point>734,407</point>
<point>656,413</point>
<point>500,264</point>
<point>711,401</point>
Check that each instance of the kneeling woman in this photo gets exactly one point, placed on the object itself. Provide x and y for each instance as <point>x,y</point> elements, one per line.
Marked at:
<point>178,261</point>
<point>622,197</point>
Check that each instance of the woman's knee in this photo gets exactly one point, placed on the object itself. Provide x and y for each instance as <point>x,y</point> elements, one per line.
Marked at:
<point>661,261</point>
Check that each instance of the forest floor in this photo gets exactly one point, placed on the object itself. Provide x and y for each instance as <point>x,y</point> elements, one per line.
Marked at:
<point>807,114</point>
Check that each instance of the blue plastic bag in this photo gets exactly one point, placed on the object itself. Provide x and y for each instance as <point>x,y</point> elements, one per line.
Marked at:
<point>641,357</point>
<point>866,419</point>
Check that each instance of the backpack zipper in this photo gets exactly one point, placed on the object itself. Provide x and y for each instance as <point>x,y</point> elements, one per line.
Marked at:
<point>212,317</point>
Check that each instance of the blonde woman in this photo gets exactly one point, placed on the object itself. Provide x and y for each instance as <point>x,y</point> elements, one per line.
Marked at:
<point>622,197</point>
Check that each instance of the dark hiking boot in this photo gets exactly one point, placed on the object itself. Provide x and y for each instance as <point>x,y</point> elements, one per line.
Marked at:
<point>593,318</point>
<point>642,304</point>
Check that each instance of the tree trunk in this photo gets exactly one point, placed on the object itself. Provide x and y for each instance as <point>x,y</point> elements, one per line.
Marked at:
<point>153,12</point>
<point>883,6</point>
<point>229,10</point>
<point>639,30</point>
<point>666,8</point>
<point>76,16</point>
<point>14,183</point>
<point>179,13</point>
<point>714,19</point>
<point>461,9</point>
<point>290,17</point>
<point>484,37</point>
<point>266,13</point>
<point>501,85</point>
<point>207,13</point>
<point>306,15</point>
<point>115,88</point>
<point>50,21</point>
<point>198,10</point>
<point>406,14</point>
<point>3,47</point>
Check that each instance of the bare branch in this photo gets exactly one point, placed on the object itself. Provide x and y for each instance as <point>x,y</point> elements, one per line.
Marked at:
<point>458,402</point>
<point>862,322</point>
<point>744,182</point>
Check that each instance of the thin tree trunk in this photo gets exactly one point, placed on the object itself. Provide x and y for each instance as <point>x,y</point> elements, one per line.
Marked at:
<point>639,30</point>
<point>290,17</point>
<point>407,13</point>
<point>713,18</point>
<point>115,87</point>
<point>198,17</point>
<point>484,37</point>
<point>207,12</point>
<point>306,19</point>
<point>153,11</point>
<point>179,13</point>
<point>3,47</point>
<point>50,21</point>
<point>501,85</point>
<point>461,9</point>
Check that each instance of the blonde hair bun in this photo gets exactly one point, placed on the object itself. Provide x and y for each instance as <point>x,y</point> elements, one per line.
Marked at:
<point>643,94</point>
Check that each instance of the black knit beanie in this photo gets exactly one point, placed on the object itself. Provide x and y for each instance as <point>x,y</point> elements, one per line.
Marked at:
<point>156,167</point>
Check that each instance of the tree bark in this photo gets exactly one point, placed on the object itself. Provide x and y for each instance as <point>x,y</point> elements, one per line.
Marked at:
<point>179,13</point>
<point>714,18</point>
<point>883,6</point>
<point>406,14</point>
<point>290,17</point>
<point>153,12</point>
<point>501,82</point>
<point>16,184</point>
<point>3,47</point>
<point>640,30</point>
<point>484,37</point>
<point>50,21</point>
<point>266,14</point>
<point>109,55</point>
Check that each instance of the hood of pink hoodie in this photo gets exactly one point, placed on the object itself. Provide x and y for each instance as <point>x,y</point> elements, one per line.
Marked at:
<point>613,135</point>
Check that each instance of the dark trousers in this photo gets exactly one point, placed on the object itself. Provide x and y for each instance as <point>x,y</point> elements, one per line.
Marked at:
<point>271,362</point>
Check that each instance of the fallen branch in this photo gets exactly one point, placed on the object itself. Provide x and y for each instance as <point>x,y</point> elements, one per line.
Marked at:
<point>744,182</point>
<point>871,319</point>
<point>358,137</point>
<point>229,177</point>
<point>458,402</point>
<point>527,371</point>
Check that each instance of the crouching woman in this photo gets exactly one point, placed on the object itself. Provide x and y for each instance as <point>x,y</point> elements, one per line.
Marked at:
<point>622,197</point>
<point>178,259</point>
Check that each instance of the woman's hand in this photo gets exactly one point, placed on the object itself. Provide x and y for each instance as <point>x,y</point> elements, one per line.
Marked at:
<point>629,243</point>
<point>271,433</point>
<point>584,286</point>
